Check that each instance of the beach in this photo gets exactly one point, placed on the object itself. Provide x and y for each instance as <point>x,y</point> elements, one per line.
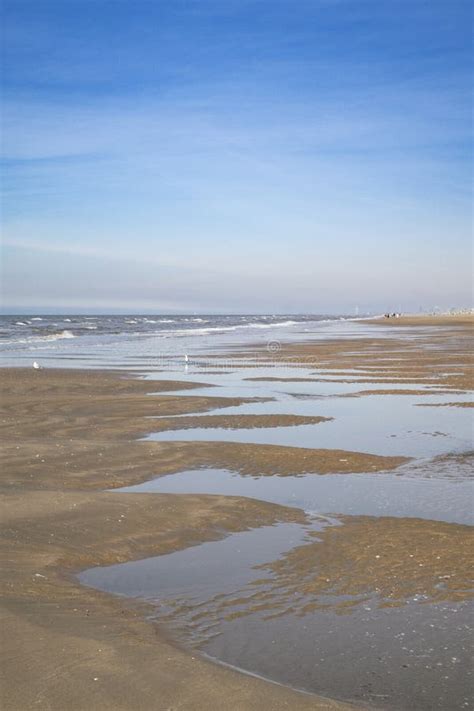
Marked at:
<point>236,356</point>
<point>302,413</point>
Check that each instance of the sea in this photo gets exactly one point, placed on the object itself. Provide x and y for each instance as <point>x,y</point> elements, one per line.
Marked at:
<point>129,341</point>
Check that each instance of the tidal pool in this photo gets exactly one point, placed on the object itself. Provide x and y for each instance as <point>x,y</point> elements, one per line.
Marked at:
<point>380,494</point>
<point>374,610</point>
<point>376,424</point>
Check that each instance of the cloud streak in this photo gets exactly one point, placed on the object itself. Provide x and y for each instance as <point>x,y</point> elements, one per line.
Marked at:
<point>214,138</point>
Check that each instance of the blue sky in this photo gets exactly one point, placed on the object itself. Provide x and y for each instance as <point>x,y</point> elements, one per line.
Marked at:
<point>236,155</point>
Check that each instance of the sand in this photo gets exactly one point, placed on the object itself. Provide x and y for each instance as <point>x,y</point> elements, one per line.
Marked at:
<point>69,435</point>
<point>448,320</point>
<point>399,558</point>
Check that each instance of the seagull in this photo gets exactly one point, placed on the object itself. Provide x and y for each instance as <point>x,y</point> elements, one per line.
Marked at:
<point>36,365</point>
<point>186,359</point>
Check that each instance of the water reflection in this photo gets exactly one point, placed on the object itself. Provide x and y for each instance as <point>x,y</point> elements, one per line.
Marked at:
<point>353,608</point>
<point>447,496</point>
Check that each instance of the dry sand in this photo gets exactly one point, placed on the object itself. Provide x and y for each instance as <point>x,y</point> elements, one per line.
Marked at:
<point>445,320</point>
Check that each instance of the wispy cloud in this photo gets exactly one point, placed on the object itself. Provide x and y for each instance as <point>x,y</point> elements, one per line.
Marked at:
<point>207,137</point>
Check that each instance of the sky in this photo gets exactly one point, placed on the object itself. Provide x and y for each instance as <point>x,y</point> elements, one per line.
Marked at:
<point>250,156</point>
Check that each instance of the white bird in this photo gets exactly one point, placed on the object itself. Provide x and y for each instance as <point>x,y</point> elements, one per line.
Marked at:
<point>186,359</point>
<point>36,365</point>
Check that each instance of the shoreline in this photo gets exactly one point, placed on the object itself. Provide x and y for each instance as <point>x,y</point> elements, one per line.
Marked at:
<point>456,319</point>
<point>70,434</point>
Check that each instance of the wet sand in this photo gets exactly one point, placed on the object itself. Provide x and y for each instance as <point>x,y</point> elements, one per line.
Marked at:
<point>369,609</point>
<point>68,435</point>
<point>397,557</point>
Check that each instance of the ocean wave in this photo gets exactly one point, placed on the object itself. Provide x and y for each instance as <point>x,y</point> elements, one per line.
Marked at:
<point>277,324</point>
<point>61,334</point>
<point>51,337</point>
<point>224,329</point>
<point>27,332</point>
<point>157,320</point>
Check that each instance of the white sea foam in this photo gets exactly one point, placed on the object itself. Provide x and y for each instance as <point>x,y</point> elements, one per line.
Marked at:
<point>222,329</point>
<point>28,333</point>
<point>31,340</point>
<point>269,325</point>
<point>52,336</point>
<point>156,320</point>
